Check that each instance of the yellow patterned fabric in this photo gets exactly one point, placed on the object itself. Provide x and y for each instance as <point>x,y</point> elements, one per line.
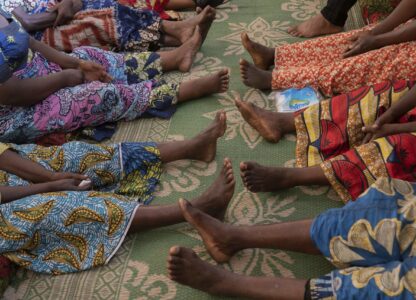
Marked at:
<point>330,134</point>
<point>3,148</point>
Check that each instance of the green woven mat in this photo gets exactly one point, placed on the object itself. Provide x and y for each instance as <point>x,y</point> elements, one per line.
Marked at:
<point>138,271</point>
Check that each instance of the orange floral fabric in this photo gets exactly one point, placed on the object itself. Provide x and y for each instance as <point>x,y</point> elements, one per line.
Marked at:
<point>319,63</point>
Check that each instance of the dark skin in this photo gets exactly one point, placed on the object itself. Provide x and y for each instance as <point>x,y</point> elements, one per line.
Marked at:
<point>75,72</point>
<point>273,125</point>
<point>222,241</point>
<point>172,33</point>
<point>202,147</point>
<point>384,34</point>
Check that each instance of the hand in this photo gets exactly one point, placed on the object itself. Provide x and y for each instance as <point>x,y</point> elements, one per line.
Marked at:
<point>361,43</point>
<point>67,175</point>
<point>94,72</point>
<point>68,185</point>
<point>380,128</point>
<point>65,10</point>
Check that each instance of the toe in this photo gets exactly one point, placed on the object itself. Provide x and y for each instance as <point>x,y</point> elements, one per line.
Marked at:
<point>175,250</point>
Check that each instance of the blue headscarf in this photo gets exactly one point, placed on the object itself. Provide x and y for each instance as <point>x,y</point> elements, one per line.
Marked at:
<point>14,47</point>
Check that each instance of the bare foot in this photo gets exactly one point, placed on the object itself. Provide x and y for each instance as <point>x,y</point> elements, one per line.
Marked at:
<point>185,267</point>
<point>257,178</point>
<point>197,88</point>
<point>315,26</point>
<point>215,199</point>
<point>205,144</point>
<point>271,125</point>
<point>255,77</point>
<point>263,57</point>
<point>216,235</point>
<point>186,53</point>
<point>206,22</point>
<point>204,19</point>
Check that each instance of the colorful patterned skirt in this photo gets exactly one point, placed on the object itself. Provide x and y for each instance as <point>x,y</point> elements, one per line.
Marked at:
<point>372,242</point>
<point>156,5</point>
<point>330,134</point>
<point>72,231</point>
<point>106,24</point>
<point>374,11</point>
<point>137,90</point>
<point>319,63</point>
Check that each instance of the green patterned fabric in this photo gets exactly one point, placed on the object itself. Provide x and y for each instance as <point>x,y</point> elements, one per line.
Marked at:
<point>138,271</point>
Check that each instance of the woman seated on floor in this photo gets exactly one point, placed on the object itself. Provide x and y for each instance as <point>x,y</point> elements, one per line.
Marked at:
<point>347,142</point>
<point>47,91</point>
<point>338,63</point>
<point>44,188</point>
<point>107,24</point>
<point>371,241</point>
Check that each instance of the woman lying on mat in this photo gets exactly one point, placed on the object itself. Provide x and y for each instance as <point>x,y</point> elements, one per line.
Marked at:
<point>347,142</point>
<point>108,25</point>
<point>46,91</point>
<point>371,241</point>
<point>338,63</point>
<point>67,209</point>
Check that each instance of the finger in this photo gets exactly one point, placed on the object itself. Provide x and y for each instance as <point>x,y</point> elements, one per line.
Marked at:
<point>353,38</point>
<point>351,52</point>
<point>367,138</point>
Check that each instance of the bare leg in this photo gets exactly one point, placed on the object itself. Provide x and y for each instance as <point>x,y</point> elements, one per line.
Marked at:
<point>259,178</point>
<point>202,147</point>
<point>271,125</point>
<point>197,88</point>
<point>315,26</point>
<point>224,240</point>
<point>255,77</point>
<point>263,57</point>
<point>180,4</point>
<point>185,267</point>
<point>213,201</point>
<point>183,30</point>
<point>182,58</point>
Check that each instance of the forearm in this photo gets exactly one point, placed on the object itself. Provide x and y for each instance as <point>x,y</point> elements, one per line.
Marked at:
<point>9,193</point>
<point>403,128</point>
<point>62,59</point>
<point>28,92</point>
<point>13,163</point>
<point>404,105</point>
<point>406,33</point>
<point>405,11</point>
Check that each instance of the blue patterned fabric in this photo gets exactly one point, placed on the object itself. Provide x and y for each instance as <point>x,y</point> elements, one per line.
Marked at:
<point>14,48</point>
<point>71,231</point>
<point>373,243</point>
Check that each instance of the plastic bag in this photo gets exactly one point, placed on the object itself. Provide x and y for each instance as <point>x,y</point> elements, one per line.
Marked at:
<point>295,99</point>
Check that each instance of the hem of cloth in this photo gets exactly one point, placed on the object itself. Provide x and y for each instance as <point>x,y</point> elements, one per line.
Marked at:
<point>336,185</point>
<point>301,142</point>
<point>124,235</point>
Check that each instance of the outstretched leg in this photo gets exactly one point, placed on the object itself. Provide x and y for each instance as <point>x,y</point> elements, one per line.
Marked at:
<point>213,201</point>
<point>271,125</point>
<point>255,77</point>
<point>202,147</point>
<point>183,57</point>
<point>224,240</point>
<point>263,57</point>
<point>205,86</point>
<point>185,267</point>
<point>183,30</point>
<point>257,178</point>
<point>315,26</point>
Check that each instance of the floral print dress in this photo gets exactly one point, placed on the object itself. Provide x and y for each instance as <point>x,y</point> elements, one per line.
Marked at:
<point>72,231</point>
<point>137,90</point>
